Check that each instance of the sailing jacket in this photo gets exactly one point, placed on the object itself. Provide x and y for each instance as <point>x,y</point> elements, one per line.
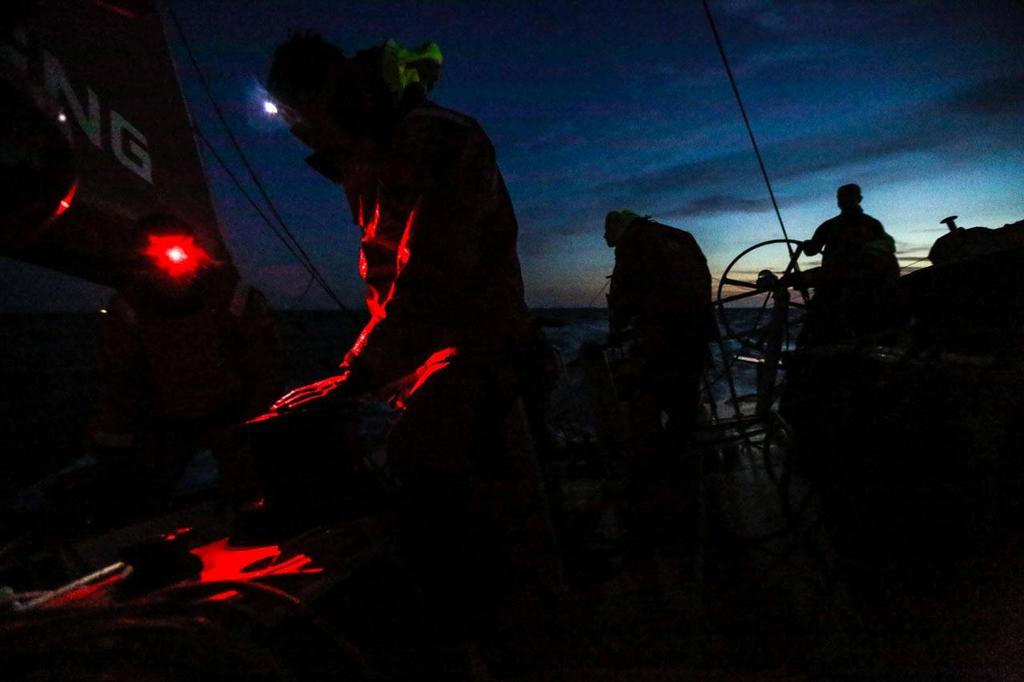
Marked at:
<point>856,247</point>
<point>214,362</point>
<point>438,248</point>
<point>661,278</point>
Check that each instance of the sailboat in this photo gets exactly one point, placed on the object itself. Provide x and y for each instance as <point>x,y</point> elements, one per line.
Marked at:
<point>171,595</point>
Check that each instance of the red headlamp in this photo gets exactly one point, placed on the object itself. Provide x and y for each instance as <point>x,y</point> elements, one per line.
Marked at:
<point>176,254</point>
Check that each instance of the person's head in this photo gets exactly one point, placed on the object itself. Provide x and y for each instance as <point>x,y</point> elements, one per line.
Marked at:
<point>334,101</point>
<point>326,98</point>
<point>615,225</point>
<point>848,197</point>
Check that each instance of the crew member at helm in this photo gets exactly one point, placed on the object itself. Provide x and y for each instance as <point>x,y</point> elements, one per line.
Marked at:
<point>853,290</point>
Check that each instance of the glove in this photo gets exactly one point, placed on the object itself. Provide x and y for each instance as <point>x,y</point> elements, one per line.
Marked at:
<point>345,386</point>
<point>333,386</point>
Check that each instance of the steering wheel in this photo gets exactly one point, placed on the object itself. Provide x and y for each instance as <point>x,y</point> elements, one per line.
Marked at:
<point>750,288</point>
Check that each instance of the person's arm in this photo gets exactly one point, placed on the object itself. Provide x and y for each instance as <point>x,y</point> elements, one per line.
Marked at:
<point>814,245</point>
<point>448,176</point>
<point>625,297</point>
<point>260,355</point>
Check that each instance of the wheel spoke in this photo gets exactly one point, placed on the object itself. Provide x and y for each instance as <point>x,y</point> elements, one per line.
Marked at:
<point>739,283</point>
<point>738,297</point>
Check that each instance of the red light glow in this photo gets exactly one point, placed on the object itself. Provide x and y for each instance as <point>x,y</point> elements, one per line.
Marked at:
<point>177,533</point>
<point>403,246</point>
<point>375,303</point>
<point>434,364</point>
<point>221,562</point>
<point>65,203</point>
<point>87,594</point>
<point>225,595</point>
<point>177,254</point>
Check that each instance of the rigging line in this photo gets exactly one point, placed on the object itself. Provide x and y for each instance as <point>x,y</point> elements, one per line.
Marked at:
<point>220,161</point>
<point>209,95</point>
<point>245,161</point>
<point>314,275</point>
<point>746,121</point>
<point>302,296</point>
<point>598,294</point>
<point>913,263</point>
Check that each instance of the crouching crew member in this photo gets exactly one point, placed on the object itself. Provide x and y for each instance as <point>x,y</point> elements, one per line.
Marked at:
<point>187,351</point>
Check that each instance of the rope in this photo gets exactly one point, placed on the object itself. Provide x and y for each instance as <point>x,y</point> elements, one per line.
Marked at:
<point>746,122</point>
<point>599,292</point>
<point>912,263</point>
<point>252,202</point>
<point>285,233</point>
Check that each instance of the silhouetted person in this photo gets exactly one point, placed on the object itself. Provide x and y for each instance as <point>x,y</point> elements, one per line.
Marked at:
<point>853,289</point>
<point>449,326</point>
<point>187,351</point>
<point>661,291</point>
<point>661,295</point>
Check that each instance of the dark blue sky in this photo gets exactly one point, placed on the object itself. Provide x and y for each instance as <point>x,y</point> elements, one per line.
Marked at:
<point>595,106</point>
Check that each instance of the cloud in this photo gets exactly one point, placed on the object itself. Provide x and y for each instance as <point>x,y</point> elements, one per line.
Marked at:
<point>930,126</point>
<point>721,203</point>
<point>815,17</point>
<point>912,142</point>
<point>991,97</point>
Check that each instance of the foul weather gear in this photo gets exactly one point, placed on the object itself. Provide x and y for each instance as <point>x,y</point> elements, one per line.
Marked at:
<point>661,297</point>
<point>661,279</point>
<point>438,249</point>
<point>448,329</point>
<point>854,245</point>
<point>401,67</point>
<point>854,289</point>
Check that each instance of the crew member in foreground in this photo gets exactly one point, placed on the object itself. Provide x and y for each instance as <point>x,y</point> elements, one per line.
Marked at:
<point>448,322</point>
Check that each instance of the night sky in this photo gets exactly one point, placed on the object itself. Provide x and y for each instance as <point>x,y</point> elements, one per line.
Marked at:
<point>595,106</point>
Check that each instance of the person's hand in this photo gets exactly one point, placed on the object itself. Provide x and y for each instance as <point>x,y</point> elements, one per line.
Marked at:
<point>794,279</point>
<point>333,386</point>
<point>344,386</point>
